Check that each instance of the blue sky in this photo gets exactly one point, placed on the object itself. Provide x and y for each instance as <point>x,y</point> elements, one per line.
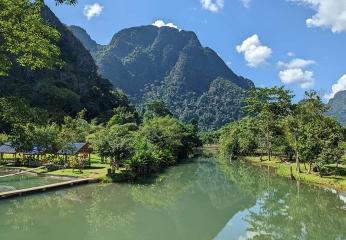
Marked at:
<point>296,43</point>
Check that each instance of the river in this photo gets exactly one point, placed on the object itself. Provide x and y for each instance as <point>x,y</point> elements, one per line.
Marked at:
<point>202,199</point>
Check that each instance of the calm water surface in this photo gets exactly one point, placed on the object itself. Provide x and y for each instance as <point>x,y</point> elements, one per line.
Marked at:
<point>23,181</point>
<point>194,201</point>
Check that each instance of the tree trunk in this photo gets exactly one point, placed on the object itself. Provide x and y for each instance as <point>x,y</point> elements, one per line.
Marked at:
<point>310,164</point>
<point>268,142</point>
<point>297,163</point>
<point>336,167</point>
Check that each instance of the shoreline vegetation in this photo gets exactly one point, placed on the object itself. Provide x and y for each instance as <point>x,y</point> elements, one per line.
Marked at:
<point>330,180</point>
<point>298,139</point>
<point>127,149</point>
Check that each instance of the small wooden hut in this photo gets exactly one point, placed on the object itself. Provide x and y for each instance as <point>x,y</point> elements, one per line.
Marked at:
<point>79,150</point>
<point>7,148</point>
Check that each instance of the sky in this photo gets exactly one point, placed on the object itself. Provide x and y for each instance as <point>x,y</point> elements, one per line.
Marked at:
<point>296,43</point>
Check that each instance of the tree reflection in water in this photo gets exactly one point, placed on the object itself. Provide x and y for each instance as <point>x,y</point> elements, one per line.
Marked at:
<point>286,209</point>
<point>111,208</point>
<point>22,213</point>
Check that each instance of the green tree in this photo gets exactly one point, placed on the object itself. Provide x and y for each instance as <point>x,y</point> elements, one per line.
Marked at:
<point>26,37</point>
<point>115,143</point>
<point>268,105</point>
<point>171,134</point>
<point>157,108</point>
<point>318,136</point>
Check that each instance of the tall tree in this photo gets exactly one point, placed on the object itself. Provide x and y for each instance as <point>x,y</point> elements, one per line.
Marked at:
<point>318,136</point>
<point>268,105</point>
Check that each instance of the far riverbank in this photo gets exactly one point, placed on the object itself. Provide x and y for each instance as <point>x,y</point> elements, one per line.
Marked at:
<point>283,169</point>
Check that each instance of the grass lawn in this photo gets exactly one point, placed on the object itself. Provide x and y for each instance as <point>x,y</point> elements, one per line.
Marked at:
<point>96,170</point>
<point>283,169</point>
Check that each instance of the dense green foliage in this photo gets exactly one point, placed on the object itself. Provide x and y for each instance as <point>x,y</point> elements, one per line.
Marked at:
<point>158,142</point>
<point>61,91</point>
<point>151,63</point>
<point>25,37</point>
<point>279,127</point>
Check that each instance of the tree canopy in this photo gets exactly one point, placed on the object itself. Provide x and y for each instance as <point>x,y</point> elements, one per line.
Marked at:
<point>25,37</point>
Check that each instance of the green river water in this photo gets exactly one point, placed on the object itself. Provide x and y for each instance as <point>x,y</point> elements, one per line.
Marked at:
<point>200,200</point>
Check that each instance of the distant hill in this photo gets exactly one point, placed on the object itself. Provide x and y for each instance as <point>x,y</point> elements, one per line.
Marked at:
<point>338,107</point>
<point>68,90</point>
<point>151,63</point>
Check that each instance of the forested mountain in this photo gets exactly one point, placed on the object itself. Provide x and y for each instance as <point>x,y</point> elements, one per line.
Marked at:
<point>67,90</point>
<point>338,107</point>
<point>151,63</point>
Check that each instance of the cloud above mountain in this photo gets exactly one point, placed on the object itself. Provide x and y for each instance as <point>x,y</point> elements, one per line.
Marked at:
<point>91,11</point>
<point>255,53</point>
<point>329,14</point>
<point>294,72</point>
<point>298,76</point>
<point>296,63</point>
<point>337,87</point>
<point>212,5</point>
<point>160,23</point>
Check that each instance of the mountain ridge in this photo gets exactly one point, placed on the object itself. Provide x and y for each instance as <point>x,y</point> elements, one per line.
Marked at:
<point>151,63</point>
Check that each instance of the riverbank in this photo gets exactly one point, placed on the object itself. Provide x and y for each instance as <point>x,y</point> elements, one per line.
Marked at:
<point>283,169</point>
<point>98,171</point>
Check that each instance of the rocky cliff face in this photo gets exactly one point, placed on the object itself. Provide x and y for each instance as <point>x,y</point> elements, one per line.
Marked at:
<point>338,107</point>
<point>81,34</point>
<point>151,63</point>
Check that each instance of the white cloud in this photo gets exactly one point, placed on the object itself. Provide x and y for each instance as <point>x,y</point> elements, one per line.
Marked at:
<point>296,75</point>
<point>92,10</point>
<point>228,63</point>
<point>290,54</point>
<point>339,86</point>
<point>212,5</point>
<point>296,63</point>
<point>254,53</point>
<point>329,13</point>
<point>246,3</point>
<point>160,23</point>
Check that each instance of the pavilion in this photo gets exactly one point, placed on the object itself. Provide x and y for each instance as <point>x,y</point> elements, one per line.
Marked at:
<point>74,149</point>
<point>36,150</point>
<point>7,148</point>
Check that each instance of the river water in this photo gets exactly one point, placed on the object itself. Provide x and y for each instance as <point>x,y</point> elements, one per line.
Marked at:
<point>21,181</point>
<point>203,199</point>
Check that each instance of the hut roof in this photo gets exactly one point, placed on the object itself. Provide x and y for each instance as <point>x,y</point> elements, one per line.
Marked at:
<point>72,148</point>
<point>7,148</point>
<point>36,149</point>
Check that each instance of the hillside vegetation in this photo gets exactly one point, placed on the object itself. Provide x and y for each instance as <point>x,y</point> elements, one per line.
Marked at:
<point>151,63</point>
<point>67,90</point>
<point>338,107</point>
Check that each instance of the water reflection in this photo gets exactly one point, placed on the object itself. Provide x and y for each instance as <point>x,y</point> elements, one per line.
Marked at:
<point>203,200</point>
<point>287,209</point>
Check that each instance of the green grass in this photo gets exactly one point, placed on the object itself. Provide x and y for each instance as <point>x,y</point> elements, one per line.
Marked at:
<point>96,170</point>
<point>283,169</point>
